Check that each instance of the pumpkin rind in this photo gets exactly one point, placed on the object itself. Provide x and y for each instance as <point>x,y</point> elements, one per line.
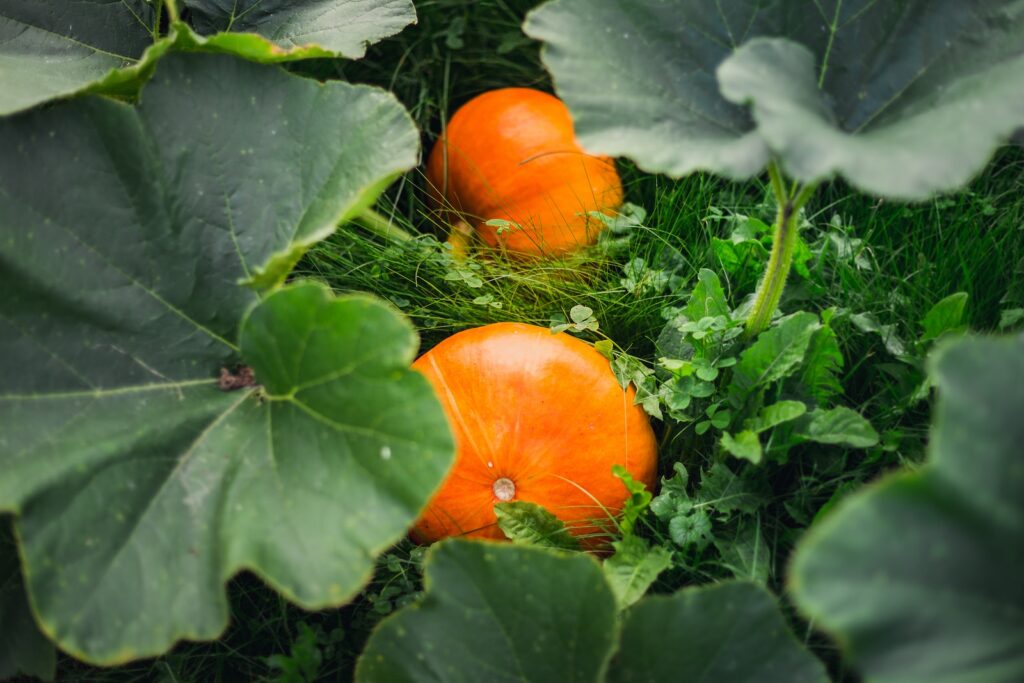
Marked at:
<point>542,410</point>
<point>511,154</point>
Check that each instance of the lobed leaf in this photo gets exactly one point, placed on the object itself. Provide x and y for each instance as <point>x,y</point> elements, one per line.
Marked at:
<point>139,486</point>
<point>301,28</point>
<point>732,631</point>
<point>58,47</point>
<point>918,576</point>
<point>514,613</point>
<point>23,649</point>
<point>633,567</point>
<point>498,612</point>
<point>903,98</point>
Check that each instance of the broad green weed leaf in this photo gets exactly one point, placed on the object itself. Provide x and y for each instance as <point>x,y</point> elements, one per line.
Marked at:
<point>775,414</point>
<point>500,613</point>
<point>747,553</point>
<point>842,426</point>
<point>638,501</point>
<point>903,98</point>
<point>59,47</point>
<point>776,354</point>
<point>23,649</point>
<point>731,632</point>
<point>633,568</point>
<point>919,576</point>
<point>530,524</point>
<point>708,297</point>
<point>866,322</point>
<point>744,445</point>
<point>724,491</point>
<point>822,364</point>
<point>139,487</point>
<point>945,316</point>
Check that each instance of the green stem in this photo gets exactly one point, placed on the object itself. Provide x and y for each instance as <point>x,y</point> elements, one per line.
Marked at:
<point>379,225</point>
<point>172,10</point>
<point>769,291</point>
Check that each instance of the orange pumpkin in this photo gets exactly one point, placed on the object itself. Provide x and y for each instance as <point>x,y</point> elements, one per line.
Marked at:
<point>511,154</point>
<point>537,417</point>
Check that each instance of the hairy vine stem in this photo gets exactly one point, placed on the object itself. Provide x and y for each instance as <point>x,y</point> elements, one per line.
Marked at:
<point>172,10</point>
<point>769,291</point>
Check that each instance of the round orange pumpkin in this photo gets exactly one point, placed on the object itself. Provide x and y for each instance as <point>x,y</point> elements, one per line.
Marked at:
<point>511,154</point>
<point>537,417</point>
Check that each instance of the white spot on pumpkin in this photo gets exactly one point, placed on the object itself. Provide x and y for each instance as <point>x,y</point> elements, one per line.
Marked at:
<point>385,452</point>
<point>504,489</point>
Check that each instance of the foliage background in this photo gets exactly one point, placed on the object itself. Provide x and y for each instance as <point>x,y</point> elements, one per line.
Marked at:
<point>886,264</point>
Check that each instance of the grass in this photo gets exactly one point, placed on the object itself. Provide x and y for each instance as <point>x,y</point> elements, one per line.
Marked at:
<point>909,258</point>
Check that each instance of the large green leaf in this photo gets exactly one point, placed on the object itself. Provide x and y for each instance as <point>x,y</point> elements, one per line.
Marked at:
<point>639,78</point>
<point>303,28</point>
<point>140,488</point>
<point>732,632</point>
<point>498,612</point>
<point>23,649</point>
<point>519,613</point>
<point>58,47</point>
<point>904,98</point>
<point>920,576</point>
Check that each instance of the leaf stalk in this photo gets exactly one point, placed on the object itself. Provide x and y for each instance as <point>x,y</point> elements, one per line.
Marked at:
<point>773,282</point>
<point>172,11</point>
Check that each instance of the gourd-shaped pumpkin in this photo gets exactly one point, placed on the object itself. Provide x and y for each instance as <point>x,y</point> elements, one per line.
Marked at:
<point>537,417</point>
<point>511,154</point>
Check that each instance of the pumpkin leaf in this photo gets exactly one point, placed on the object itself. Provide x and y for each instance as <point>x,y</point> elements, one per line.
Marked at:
<point>731,631</point>
<point>531,524</point>
<point>129,471</point>
<point>842,426</point>
<point>888,94</point>
<point>507,613</point>
<point>633,568</point>
<point>501,613</point>
<point>59,48</point>
<point>939,601</point>
<point>670,119</point>
<point>909,130</point>
<point>282,30</point>
<point>23,649</point>
<point>56,48</point>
